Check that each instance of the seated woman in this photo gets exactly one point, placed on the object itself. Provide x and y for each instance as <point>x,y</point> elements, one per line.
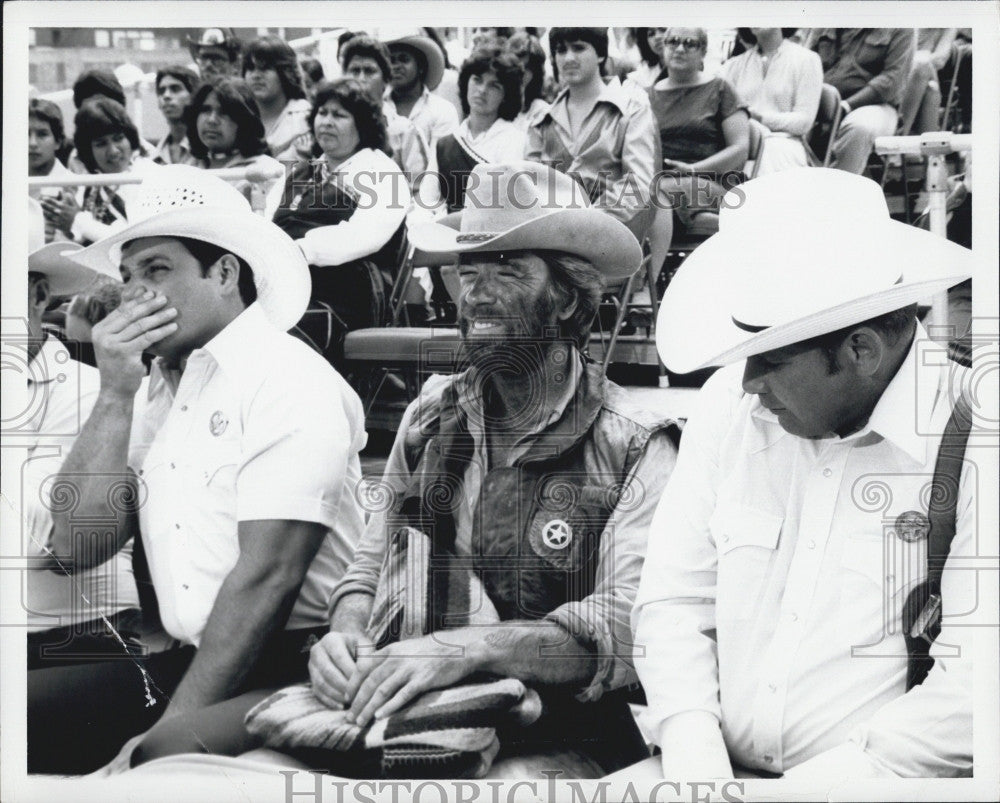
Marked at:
<point>346,209</point>
<point>106,141</point>
<point>780,82</point>
<point>271,69</point>
<point>528,51</point>
<point>704,134</point>
<point>225,130</point>
<point>490,86</point>
<point>650,44</point>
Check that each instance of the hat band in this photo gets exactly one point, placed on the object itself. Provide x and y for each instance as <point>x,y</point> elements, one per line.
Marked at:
<point>481,237</point>
<point>746,327</point>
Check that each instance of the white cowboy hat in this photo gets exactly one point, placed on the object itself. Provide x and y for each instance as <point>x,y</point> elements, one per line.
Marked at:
<point>66,278</point>
<point>528,205</point>
<point>185,201</point>
<point>416,38</point>
<point>799,253</point>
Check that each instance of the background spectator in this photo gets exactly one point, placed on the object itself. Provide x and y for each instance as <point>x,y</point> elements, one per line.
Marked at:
<point>271,70</point>
<point>46,138</point>
<point>920,107</point>
<point>528,51</point>
<point>312,74</point>
<point>649,42</point>
<point>174,86</point>
<point>217,54</point>
<point>417,68</point>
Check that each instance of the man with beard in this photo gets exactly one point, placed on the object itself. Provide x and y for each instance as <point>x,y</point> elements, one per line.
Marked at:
<point>551,474</point>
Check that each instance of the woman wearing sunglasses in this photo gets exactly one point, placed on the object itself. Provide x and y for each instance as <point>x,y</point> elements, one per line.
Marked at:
<point>704,133</point>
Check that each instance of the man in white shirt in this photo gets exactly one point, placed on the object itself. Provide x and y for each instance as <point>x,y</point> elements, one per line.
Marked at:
<point>417,68</point>
<point>239,464</point>
<point>174,86</point>
<point>769,619</point>
<point>87,616</point>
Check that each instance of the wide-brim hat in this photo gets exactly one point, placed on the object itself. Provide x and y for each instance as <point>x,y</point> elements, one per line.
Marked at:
<point>214,37</point>
<point>185,201</point>
<point>530,206</point>
<point>799,253</point>
<point>416,38</point>
<point>66,278</point>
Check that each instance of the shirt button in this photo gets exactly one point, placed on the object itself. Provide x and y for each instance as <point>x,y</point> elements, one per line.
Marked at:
<point>172,466</point>
<point>184,586</point>
<point>772,687</point>
<point>177,526</point>
<point>827,472</point>
<point>769,759</point>
<point>795,617</point>
<point>184,408</point>
<point>811,545</point>
<point>725,538</point>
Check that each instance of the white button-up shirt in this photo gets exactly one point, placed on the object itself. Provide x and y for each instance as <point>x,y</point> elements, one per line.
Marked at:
<point>63,392</point>
<point>773,587</point>
<point>257,426</point>
<point>433,116</point>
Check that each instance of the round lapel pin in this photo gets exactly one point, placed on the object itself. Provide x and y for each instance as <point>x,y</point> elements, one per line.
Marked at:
<point>217,423</point>
<point>557,534</point>
<point>912,526</point>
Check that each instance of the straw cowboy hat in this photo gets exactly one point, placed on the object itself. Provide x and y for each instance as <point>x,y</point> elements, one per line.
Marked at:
<point>417,39</point>
<point>530,206</point>
<point>66,278</point>
<point>185,201</point>
<point>800,253</point>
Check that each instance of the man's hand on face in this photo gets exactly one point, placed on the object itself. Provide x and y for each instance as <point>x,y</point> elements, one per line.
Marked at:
<point>386,680</point>
<point>119,340</point>
<point>332,662</point>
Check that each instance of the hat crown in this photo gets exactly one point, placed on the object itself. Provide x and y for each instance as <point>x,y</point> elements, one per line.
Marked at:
<point>213,37</point>
<point>175,187</point>
<point>499,197</point>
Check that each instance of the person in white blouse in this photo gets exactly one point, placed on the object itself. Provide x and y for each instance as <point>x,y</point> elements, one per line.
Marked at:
<point>780,82</point>
<point>768,619</point>
<point>271,70</point>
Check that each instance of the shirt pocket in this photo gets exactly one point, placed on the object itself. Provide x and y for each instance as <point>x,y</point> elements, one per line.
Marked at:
<point>879,572</point>
<point>872,51</point>
<point>746,539</point>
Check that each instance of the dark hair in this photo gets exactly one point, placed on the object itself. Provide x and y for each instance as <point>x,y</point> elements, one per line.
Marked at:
<point>97,118</point>
<point>573,277</point>
<point>187,77</point>
<point>641,37</point>
<point>97,83</point>
<point>237,102</point>
<point>418,56</point>
<point>430,33</point>
<point>892,325</point>
<point>597,38</point>
<point>747,36</point>
<point>313,69</point>
<point>363,46</point>
<point>48,112</point>
<point>347,36</point>
<point>366,111</point>
<point>502,33</point>
<point>509,73</point>
<point>208,254</point>
<point>528,45</point>
<point>274,52</point>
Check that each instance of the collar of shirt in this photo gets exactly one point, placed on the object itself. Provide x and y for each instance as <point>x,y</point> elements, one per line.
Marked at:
<point>613,93</point>
<point>499,128</point>
<point>50,356</point>
<point>230,349</point>
<point>900,416</point>
<point>421,101</point>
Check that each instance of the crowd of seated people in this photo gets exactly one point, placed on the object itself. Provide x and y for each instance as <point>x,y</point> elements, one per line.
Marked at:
<point>397,140</point>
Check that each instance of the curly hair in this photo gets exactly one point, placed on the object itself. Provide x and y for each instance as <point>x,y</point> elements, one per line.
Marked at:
<point>367,113</point>
<point>237,102</point>
<point>366,47</point>
<point>97,118</point>
<point>271,52</point>
<point>527,47</point>
<point>509,73</point>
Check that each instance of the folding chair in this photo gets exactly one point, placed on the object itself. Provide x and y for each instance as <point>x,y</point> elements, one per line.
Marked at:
<point>959,54</point>
<point>824,130</point>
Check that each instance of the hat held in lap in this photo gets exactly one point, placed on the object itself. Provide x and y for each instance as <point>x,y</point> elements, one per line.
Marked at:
<point>799,254</point>
<point>184,201</point>
<point>530,206</point>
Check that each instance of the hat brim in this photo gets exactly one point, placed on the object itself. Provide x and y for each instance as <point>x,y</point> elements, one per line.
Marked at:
<point>695,328</point>
<point>66,277</point>
<point>588,233</point>
<point>435,59</point>
<point>281,274</point>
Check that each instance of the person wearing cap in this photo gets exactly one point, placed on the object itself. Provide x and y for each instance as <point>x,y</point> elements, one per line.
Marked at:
<point>238,467</point>
<point>174,86</point>
<point>543,458</point>
<point>768,620</point>
<point>417,68</point>
<point>271,70</point>
<point>600,131</point>
<point>217,53</point>
<point>71,618</point>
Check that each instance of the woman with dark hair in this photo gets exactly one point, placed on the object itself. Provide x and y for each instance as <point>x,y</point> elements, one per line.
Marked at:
<point>225,130</point>
<point>271,69</point>
<point>650,44</point>
<point>312,74</point>
<point>345,209</point>
<point>490,86</point>
<point>106,141</point>
<point>528,50</point>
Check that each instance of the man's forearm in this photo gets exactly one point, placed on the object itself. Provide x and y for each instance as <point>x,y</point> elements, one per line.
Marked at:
<point>97,462</point>
<point>248,610</point>
<point>352,613</point>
